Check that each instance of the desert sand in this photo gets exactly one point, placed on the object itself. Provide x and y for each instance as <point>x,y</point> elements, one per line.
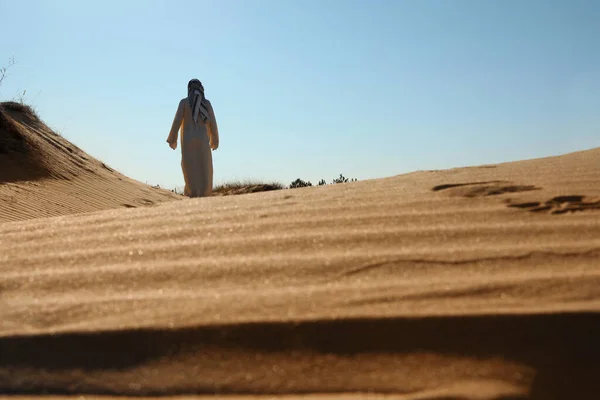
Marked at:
<point>44,175</point>
<point>469,283</point>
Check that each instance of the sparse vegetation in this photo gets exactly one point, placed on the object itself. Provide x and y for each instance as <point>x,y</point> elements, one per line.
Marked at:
<point>340,179</point>
<point>19,97</point>
<point>298,183</point>
<point>4,70</point>
<point>252,186</point>
<point>244,187</point>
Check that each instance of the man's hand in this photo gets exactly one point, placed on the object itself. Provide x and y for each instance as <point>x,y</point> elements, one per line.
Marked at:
<point>173,145</point>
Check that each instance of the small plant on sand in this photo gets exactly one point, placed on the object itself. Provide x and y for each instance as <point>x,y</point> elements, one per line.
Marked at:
<point>340,179</point>
<point>19,97</point>
<point>298,183</point>
<point>245,187</point>
<point>343,179</point>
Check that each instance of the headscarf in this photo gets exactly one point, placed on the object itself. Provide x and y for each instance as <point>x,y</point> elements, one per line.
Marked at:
<point>197,100</point>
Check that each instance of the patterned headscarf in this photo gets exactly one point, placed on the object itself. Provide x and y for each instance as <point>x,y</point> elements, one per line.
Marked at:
<point>197,100</point>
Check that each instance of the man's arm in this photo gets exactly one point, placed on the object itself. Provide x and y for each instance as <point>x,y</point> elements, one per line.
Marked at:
<point>176,126</point>
<point>214,129</point>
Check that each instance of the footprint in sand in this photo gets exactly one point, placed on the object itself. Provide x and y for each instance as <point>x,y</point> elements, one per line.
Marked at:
<point>556,205</point>
<point>480,189</point>
<point>560,205</point>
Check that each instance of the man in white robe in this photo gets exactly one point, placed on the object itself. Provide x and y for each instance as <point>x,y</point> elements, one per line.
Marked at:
<point>195,118</point>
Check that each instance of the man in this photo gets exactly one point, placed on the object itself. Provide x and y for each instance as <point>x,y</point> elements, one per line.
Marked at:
<point>195,118</point>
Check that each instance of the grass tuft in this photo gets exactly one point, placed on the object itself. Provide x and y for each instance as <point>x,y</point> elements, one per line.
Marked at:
<point>244,187</point>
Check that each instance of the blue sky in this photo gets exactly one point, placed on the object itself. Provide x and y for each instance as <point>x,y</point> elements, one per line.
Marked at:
<point>312,88</point>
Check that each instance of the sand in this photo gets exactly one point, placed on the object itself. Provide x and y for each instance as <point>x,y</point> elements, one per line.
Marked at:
<point>44,175</point>
<point>469,283</point>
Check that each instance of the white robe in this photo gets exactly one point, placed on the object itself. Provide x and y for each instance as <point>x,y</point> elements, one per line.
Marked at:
<point>197,140</point>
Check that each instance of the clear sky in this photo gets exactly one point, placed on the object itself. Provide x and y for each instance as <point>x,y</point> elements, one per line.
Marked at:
<point>312,88</point>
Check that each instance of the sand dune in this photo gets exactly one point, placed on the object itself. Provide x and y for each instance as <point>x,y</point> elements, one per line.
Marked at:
<point>470,283</point>
<point>44,175</point>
